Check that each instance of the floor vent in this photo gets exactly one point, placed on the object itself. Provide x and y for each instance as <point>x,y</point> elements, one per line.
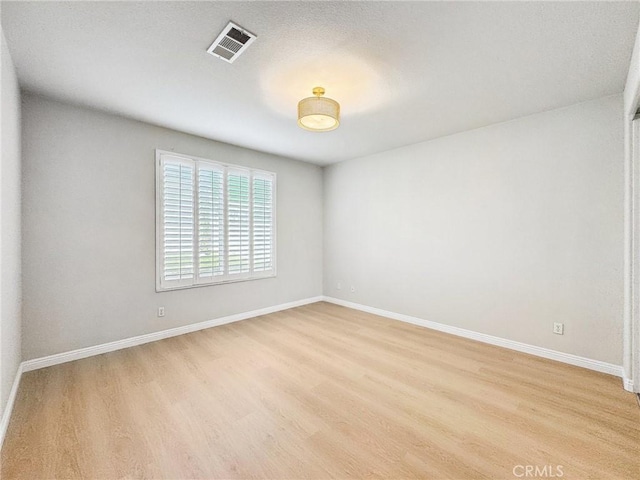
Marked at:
<point>231,42</point>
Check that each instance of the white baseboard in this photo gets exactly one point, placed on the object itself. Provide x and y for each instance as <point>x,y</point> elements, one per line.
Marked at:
<point>571,359</point>
<point>64,357</point>
<point>628,384</point>
<point>8,409</point>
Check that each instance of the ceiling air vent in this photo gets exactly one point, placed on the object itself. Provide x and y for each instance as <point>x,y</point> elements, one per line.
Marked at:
<point>231,43</point>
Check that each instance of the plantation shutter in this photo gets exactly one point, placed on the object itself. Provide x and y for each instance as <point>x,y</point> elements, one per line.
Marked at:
<point>262,223</point>
<point>238,221</point>
<point>211,222</point>
<point>215,222</point>
<point>177,220</point>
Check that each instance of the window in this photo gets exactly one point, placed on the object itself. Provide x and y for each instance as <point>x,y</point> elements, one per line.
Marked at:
<point>215,222</point>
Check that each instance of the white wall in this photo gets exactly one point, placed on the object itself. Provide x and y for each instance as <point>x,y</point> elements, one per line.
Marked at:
<point>10,275</point>
<point>501,230</point>
<point>89,230</point>
<point>632,85</point>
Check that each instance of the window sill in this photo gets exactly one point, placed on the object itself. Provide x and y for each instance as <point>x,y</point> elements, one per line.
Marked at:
<point>160,289</point>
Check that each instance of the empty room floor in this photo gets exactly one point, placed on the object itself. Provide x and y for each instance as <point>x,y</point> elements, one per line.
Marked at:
<point>320,391</point>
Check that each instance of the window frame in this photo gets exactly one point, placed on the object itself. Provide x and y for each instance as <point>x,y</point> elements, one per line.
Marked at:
<point>161,285</point>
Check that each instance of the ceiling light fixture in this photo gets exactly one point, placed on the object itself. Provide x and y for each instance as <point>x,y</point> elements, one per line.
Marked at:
<point>318,114</point>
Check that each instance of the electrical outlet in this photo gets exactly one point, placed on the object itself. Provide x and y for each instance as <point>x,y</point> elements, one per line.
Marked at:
<point>161,311</point>
<point>339,286</point>
<point>558,328</point>
<point>353,289</point>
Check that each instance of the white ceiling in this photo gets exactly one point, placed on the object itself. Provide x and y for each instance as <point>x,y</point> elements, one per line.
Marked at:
<point>403,72</point>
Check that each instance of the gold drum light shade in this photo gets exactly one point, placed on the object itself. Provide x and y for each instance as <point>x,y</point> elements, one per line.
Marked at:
<point>318,114</point>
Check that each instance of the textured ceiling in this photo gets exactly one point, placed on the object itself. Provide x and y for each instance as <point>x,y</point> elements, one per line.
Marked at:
<point>403,72</point>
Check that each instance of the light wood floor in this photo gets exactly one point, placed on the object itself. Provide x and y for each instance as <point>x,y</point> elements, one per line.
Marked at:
<point>320,391</point>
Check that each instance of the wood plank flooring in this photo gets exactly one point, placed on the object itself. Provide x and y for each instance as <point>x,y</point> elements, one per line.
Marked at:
<point>321,391</point>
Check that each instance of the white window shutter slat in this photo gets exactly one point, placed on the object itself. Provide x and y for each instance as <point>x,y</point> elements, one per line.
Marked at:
<point>238,221</point>
<point>262,224</point>
<point>178,211</point>
<point>211,228</point>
